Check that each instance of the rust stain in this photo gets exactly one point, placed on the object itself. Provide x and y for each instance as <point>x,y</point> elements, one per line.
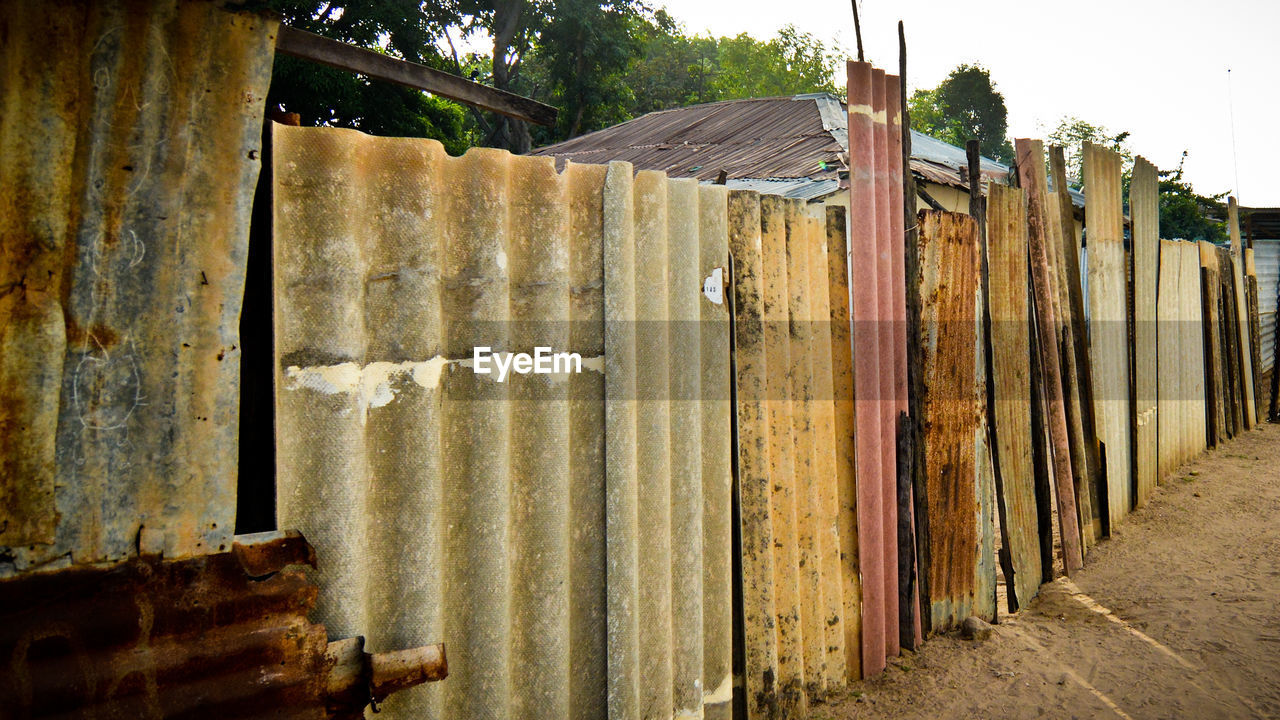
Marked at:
<point>948,276</point>
<point>219,636</point>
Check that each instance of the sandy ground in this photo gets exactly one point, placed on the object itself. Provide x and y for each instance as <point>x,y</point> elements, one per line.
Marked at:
<point>1176,616</point>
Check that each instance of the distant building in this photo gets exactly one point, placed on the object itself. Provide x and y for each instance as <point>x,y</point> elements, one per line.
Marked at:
<point>797,147</point>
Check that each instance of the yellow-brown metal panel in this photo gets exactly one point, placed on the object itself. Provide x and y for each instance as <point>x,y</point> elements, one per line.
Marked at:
<point>320,348</point>
<point>808,476</point>
<point>622,550</point>
<point>782,461</point>
<point>537,259</point>
<point>754,477</point>
<point>717,459</point>
<point>947,277</point>
<point>1145,212</point>
<point>1171,397</point>
<point>130,166</point>
<point>402,441</point>
<point>824,448</point>
<point>587,570</point>
<point>1108,322</point>
<point>1193,349</point>
<point>1010,345</point>
<point>843,439</point>
<point>653,460</point>
<point>684,282</point>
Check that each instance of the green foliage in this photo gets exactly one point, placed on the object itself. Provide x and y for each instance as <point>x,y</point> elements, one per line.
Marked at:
<point>1072,133</point>
<point>794,62</point>
<point>1184,214</point>
<point>601,62</point>
<point>325,96</point>
<point>964,106</point>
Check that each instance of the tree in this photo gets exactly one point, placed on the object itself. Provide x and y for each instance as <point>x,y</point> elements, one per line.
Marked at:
<point>1184,213</point>
<point>1072,133</point>
<point>673,69</point>
<point>965,105</point>
<point>325,96</point>
<point>794,62</point>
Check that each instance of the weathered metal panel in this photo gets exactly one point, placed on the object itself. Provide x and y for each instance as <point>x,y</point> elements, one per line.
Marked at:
<point>782,461</point>
<point>1266,254</point>
<point>130,159</point>
<point>1192,320</point>
<point>1215,385</point>
<point>1010,345</point>
<point>1145,212</point>
<point>844,431</point>
<point>948,279</point>
<point>218,636</point>
<point>1108,323</point>
<point>1171,396</point>
<point>866,315</point>
<point>568,535</point>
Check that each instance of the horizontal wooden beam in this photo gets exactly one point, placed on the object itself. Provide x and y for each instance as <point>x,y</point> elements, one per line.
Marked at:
<point>315,48</point>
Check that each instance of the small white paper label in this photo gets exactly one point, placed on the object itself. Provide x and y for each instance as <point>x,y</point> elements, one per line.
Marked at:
<point>713,286</point>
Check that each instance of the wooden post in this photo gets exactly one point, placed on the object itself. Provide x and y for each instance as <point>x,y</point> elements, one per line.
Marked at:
<point>915,381</point>
<point>1042,292</point>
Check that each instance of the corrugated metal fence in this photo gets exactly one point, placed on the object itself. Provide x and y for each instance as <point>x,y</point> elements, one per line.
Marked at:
<point>127,177</point>
<point>567,535</point>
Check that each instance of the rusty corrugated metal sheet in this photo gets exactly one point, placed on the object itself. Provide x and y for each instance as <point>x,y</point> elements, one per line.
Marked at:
<point>219,636</point>
<point>129,137</point>
<point>959,585</point>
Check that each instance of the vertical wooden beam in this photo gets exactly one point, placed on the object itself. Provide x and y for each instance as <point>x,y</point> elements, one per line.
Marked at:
<point>1242,312</point>
<point>1029,153</point>
<point>1079,346</point>
<point>915,380</point>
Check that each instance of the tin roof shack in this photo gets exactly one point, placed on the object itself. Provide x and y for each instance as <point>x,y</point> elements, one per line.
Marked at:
<point>129,157</point>
<point>796,147</point>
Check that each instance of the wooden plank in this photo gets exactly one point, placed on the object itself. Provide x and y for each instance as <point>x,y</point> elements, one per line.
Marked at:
<point>1255,333</point>
<point>1145,213</point>
<point>753,480</point>
<point>1231,343</point>
<point>1108,322</point>
<point>1242,313</point>
<point>844,440</point>
<point>947,282</point>
<point>782,465</point>
<point>1010,346</point>
<point>920,500</point>
<point>1079,343</point>
<point>1210,292</point>
<point>318,49</point>
<point>1030,170</point>
<point>984,604</point>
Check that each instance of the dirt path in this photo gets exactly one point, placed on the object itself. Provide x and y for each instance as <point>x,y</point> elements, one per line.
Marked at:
<point>1177,616</point>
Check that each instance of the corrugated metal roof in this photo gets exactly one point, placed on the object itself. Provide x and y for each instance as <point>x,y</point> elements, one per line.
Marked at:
<point>798,188</point>
<point>780,137</point>
<point>130,160</point>
<point>804,137</point>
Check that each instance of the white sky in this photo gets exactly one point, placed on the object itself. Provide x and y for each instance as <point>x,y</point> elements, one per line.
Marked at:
<point>1156,69</point>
